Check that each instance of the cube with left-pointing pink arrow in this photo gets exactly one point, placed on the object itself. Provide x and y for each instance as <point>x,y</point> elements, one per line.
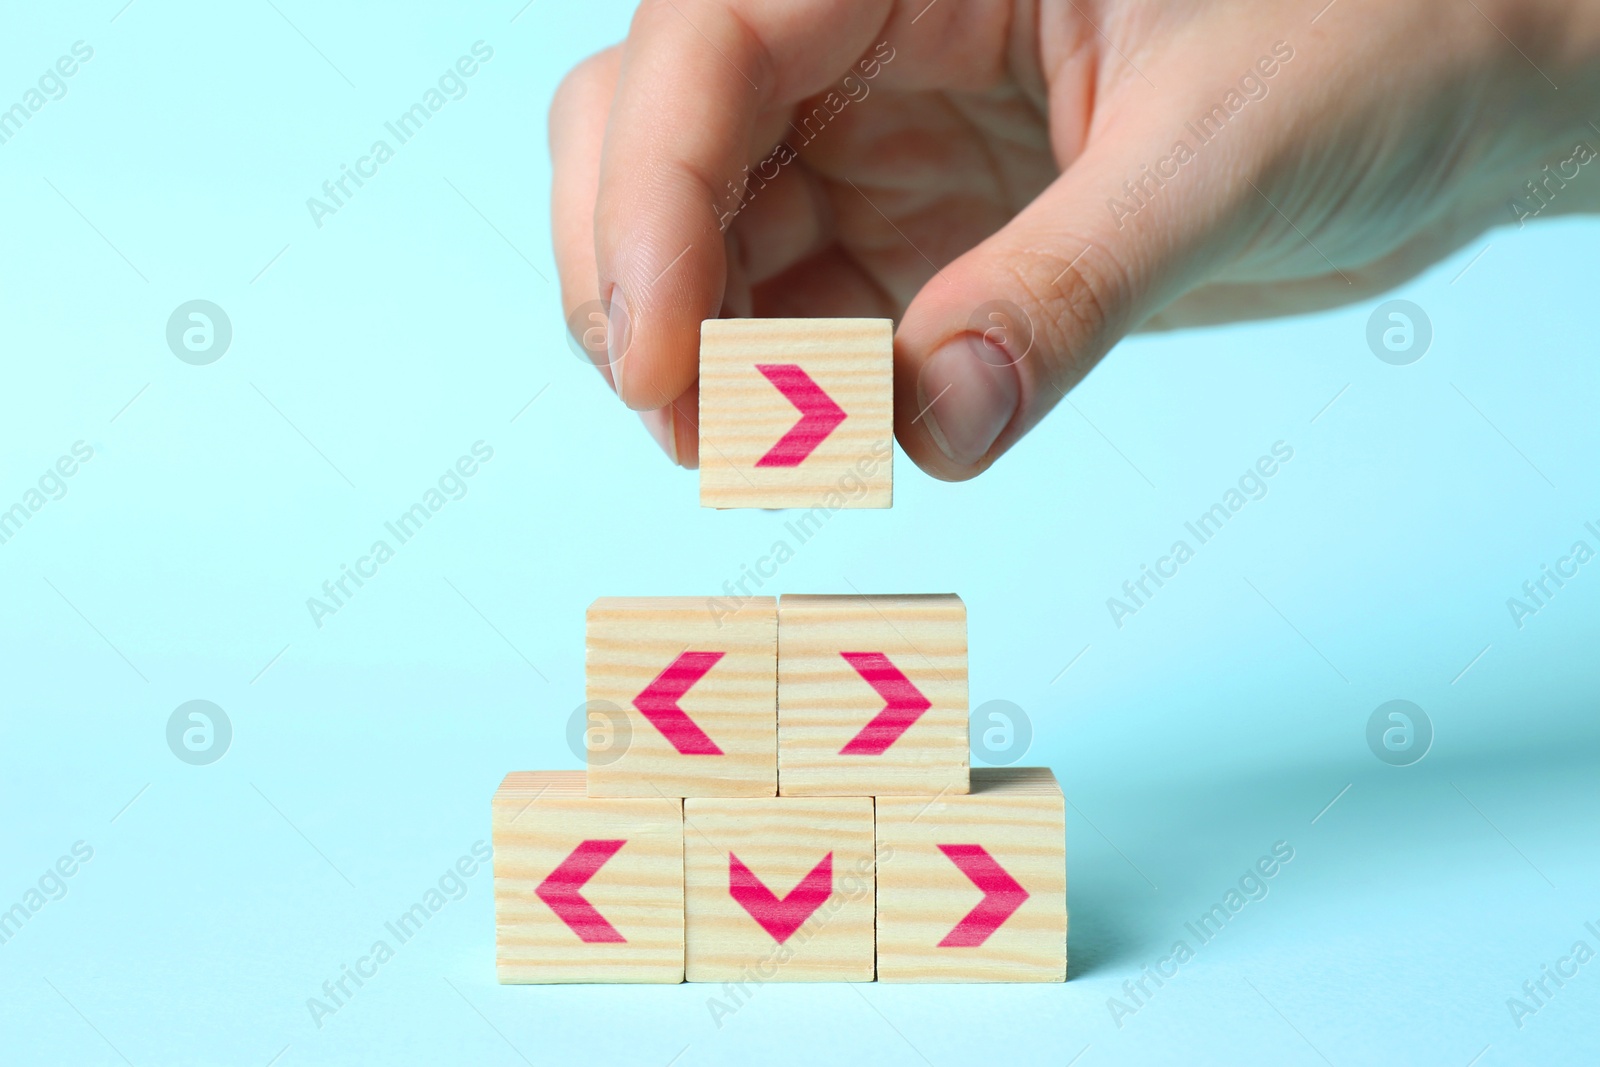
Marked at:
<point>585,889</point>
<point>682,697</point>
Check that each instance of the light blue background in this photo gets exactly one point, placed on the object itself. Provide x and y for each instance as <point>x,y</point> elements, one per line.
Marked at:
<point>1219,720</point>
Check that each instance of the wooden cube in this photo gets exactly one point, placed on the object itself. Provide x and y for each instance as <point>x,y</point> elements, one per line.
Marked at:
<point>779,889</point>
<point>872,695</point>
<point>585,889</point>
<point>690,684</point>
<point>974,888</point>
<point>796,413</point>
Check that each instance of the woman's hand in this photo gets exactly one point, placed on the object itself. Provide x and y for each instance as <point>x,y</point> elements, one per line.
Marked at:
<point>1021,184</point>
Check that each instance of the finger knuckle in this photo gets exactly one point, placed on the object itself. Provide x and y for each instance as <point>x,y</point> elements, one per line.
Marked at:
<point>1075,306</point>
<point>579,84</point>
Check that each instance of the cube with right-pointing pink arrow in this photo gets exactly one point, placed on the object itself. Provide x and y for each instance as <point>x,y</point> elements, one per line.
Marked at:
<point>796,413</point>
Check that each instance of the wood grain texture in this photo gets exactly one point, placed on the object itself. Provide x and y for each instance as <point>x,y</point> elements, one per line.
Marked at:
<point>539,817</point>
<point>630,642</point>
<point>824,702</point>
<point>780,840</point>
<point>742,415</point>
<point>1018,815</point>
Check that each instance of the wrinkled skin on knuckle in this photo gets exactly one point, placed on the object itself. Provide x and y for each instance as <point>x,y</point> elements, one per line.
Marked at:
<point>1073,317</point>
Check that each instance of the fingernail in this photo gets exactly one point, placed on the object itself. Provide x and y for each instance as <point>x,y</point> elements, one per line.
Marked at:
<point>662,426</point>
<point>619,332</point>
<point>965,399</point>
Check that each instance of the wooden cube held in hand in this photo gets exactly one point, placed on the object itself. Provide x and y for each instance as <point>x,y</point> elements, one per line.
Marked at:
<point>779,889</point>
<point>796,413</point>
<point>872,695</point>
<point>682,697</point>
<point>974,888</point>
<point>585,889</point>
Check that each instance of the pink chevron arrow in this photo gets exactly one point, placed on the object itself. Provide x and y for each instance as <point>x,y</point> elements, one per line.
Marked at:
<point>658,703</point>
<point>780,918</point>
<point>903,704</point>
<point>1002,895</point>
<point>819,415</point>
<point>560,890</point>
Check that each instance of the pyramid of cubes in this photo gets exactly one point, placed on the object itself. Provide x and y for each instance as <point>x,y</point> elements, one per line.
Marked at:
<point>779,791</point>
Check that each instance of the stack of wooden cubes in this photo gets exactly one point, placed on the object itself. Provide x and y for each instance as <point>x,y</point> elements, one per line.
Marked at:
<point>779,791</point>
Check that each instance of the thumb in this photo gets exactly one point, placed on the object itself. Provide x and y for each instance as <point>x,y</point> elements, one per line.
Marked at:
<point>996,338</point>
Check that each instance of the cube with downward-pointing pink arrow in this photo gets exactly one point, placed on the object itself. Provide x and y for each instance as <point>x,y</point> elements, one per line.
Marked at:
<point>778,889</point>
<point>974,888</point>
<point>797,413</point>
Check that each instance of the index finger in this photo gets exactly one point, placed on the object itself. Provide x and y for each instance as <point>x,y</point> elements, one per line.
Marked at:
<point>698,78</point>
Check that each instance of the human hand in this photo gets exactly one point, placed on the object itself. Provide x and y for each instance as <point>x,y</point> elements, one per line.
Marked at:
<point>982,154</point>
